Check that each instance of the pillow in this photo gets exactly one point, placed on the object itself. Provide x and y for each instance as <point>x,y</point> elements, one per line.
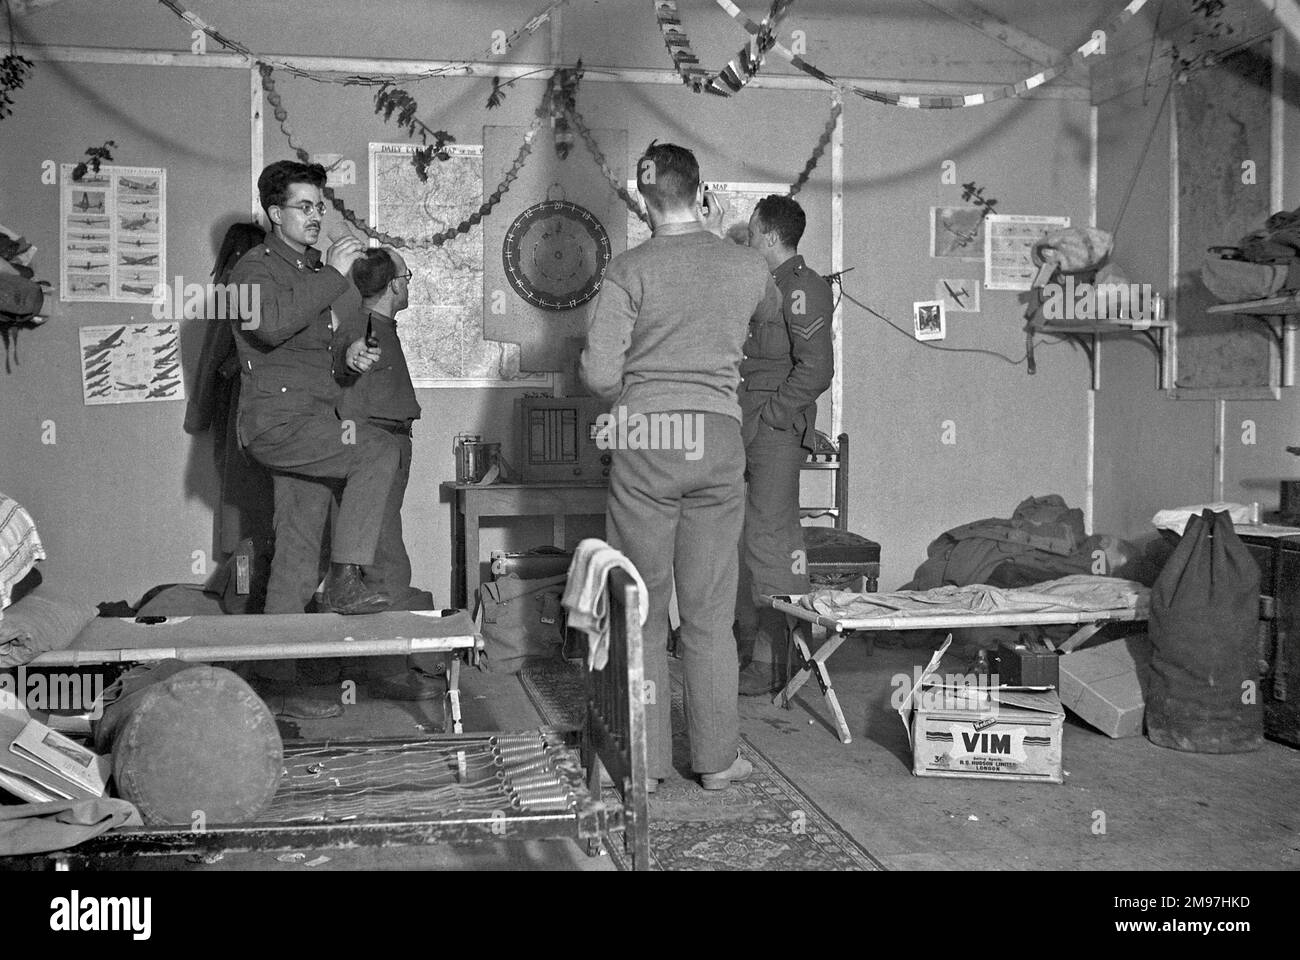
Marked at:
<point>38,622</point>
<point>20,547</point>
<point>188,739</point>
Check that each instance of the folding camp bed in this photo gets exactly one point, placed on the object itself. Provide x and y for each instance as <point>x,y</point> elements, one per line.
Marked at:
<point>443,789</point>
<point>802,620</point>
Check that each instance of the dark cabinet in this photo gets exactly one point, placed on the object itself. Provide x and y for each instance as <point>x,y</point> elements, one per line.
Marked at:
<point>1279,567</point>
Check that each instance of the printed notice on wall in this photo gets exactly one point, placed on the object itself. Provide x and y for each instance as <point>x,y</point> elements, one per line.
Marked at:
<point>131,363</point>
<point>1008,248</point>
<point>113,233</point>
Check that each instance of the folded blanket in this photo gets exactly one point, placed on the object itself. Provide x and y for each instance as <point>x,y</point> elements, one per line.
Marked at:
<point>42,620</point>
<point>1080,593</point>
<point>1176,518</point>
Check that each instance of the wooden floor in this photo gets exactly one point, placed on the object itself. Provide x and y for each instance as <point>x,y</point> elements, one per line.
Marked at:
<point>1125,804</point>
<point>1160,809</point>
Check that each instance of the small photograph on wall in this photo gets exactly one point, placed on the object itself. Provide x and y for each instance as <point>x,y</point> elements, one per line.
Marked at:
<point>958,296</point>
<point>957,233</point>
<point>928,320</point>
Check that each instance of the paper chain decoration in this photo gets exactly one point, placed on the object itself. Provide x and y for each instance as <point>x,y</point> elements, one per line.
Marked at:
<point>438,239</point>
<point>740,69</point>
<point>818,150</point>
<point>932,101</point>
<point>750,62</point>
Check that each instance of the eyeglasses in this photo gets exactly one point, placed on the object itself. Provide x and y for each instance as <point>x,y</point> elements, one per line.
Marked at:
<point>404,276</point>
<point>305,208</point>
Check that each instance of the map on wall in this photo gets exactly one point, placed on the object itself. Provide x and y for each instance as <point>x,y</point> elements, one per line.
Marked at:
<point>740,198</point>
<point>442,328</point>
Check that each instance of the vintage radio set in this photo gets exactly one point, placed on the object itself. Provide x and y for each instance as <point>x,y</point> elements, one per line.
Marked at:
<point>557,439</point>
<point>1027,661</point>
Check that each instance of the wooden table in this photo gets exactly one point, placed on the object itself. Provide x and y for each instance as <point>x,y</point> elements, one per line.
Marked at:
<point>471,503</point>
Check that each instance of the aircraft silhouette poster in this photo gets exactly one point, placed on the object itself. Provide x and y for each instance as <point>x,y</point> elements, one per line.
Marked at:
<point>131,363</point>
<point>113,234</point>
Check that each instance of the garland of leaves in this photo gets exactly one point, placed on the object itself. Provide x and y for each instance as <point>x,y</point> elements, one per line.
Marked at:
<point>390,98</point>
<point>437,239</point>
<point>1213,27</point>
<point>739,70</point>
<point>14,69</point>
<point>94,157</point>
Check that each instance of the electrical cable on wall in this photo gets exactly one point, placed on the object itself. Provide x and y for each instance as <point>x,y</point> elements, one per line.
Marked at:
<point>907,333</point>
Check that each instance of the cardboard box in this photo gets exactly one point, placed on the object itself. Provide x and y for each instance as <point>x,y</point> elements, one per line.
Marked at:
<point>989,733</point>
<point>1105,685</point>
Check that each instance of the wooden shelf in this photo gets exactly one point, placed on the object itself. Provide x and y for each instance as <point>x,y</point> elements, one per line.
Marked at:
<point>1269,306</point>
<point>1087,335</point>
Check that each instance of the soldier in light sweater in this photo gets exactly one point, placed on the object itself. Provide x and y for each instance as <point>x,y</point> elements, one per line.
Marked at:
<point>664,345</point>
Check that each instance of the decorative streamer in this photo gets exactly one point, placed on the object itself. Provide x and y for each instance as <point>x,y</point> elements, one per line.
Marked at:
<point>632,205</point>
<point>596,154</point>
<point>737,73</point>
<point>913,100</point>
<point>940,101</point>
<point>818,150</point>
<point>740,69</point>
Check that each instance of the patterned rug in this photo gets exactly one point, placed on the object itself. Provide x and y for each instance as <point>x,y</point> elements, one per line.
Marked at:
<point>763,823</point>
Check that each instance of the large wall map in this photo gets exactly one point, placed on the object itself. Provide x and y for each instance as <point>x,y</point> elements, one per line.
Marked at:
<point>442,328</point>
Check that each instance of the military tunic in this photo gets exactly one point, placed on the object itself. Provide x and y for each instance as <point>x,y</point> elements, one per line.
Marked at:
<point>788,363</point>
<point>384,397</point>
<point>288,419</point>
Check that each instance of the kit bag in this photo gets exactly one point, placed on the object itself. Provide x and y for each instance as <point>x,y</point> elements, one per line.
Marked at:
<point>19,296</point>
<point>1232,281</point>
<point>521,620</point>
<point>1203,694</point>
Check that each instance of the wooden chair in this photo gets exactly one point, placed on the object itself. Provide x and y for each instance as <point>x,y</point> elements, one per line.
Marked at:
<point>835,554</point>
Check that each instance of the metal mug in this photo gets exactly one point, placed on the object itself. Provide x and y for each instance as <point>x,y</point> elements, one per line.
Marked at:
<point>474,458</point>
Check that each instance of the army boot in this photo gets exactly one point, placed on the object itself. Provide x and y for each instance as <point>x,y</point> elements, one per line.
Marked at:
<point>347,593</point>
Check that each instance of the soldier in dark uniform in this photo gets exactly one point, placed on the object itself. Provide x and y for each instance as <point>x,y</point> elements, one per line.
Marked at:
<point>788,364</point>
<point>288,419</point>
<point>382,395</point>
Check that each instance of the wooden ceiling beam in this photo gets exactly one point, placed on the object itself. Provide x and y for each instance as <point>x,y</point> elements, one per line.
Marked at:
<point>995,28</point>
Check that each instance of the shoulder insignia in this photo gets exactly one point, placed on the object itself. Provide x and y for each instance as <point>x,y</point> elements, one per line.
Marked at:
<point>810,329</point>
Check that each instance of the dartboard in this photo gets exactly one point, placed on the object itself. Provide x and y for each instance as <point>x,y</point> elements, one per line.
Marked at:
<point>555,254</point>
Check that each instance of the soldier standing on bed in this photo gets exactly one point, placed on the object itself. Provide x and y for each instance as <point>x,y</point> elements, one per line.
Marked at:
<point>288,419</point>
<point>788,363</point>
